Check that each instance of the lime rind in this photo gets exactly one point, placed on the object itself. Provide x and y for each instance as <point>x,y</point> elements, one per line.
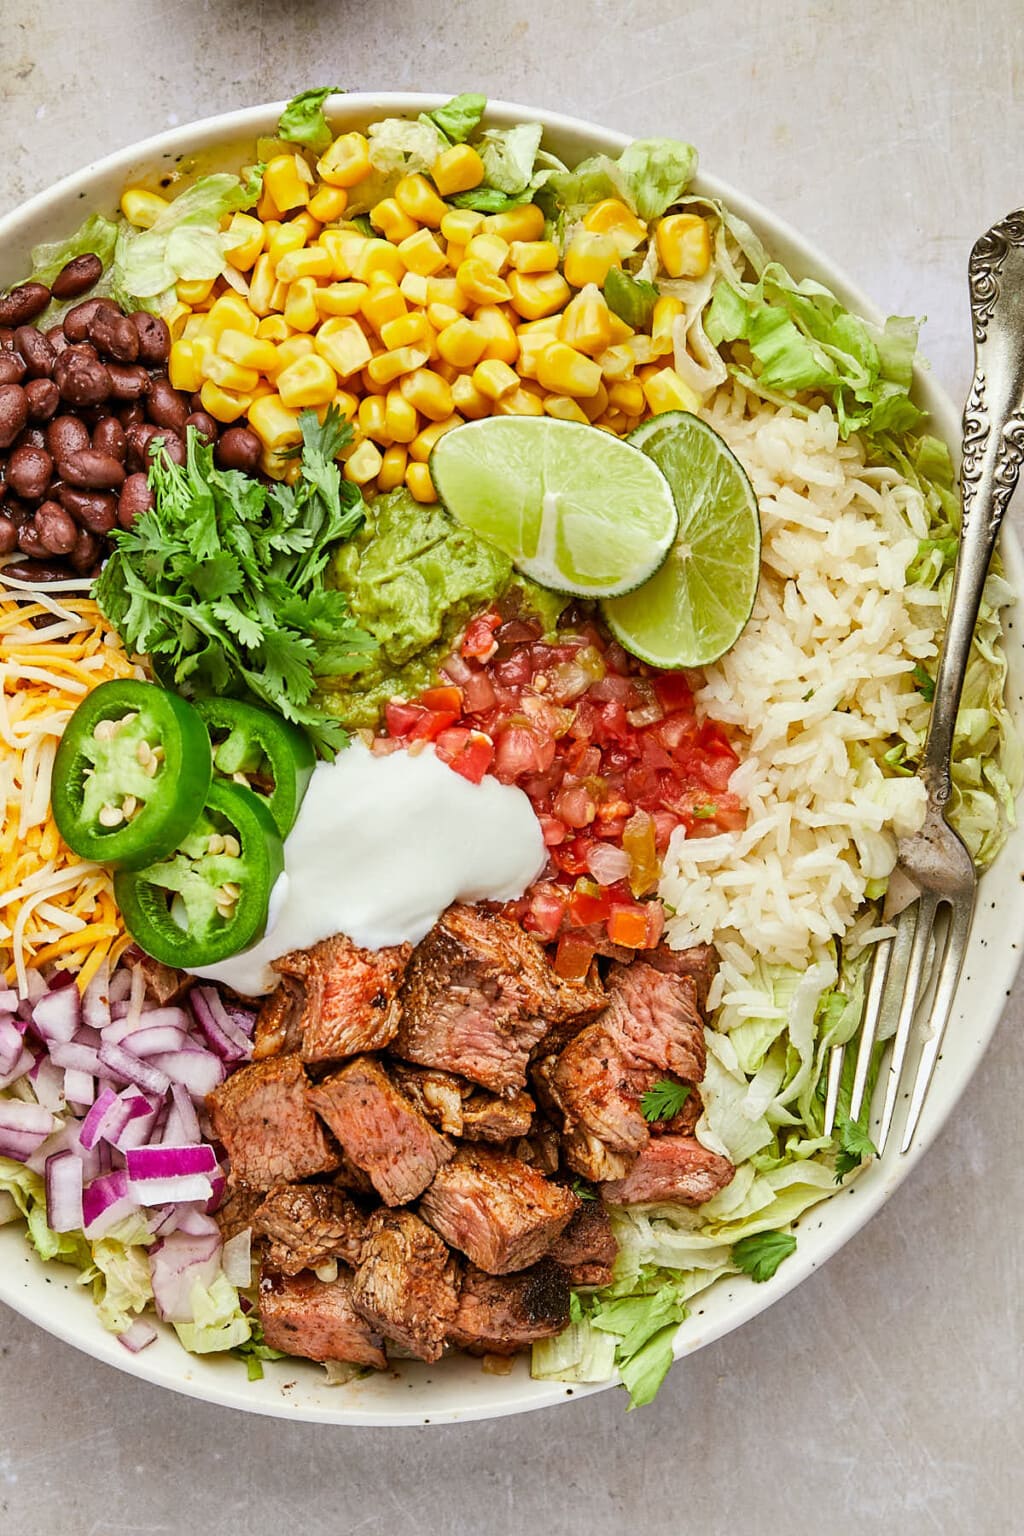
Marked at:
<point>576,509</point>
<point>696,605</point>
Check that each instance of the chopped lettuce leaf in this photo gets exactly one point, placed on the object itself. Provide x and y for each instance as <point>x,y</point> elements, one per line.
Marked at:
<point>630,298</point>
<point>27,1191</point>
<point>303,120</point>
<point>185,243</point>
<point>401,146</point>
<point>122,1286</point>
<point>460,117</point>
<point>508,155</point>
<point>649,176</point>
<point>96,234</point>
<point>218,1321</point>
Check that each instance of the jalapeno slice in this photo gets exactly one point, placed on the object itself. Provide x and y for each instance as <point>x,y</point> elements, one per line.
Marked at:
<point>210,898</point>
<point>275,758</point>
<point>131,774</point>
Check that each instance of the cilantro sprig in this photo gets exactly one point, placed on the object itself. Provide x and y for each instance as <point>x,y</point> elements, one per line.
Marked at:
<point>222,581</point>
<point>664,1101</point>
<point>760,1254</point>
<point>854,1146</point>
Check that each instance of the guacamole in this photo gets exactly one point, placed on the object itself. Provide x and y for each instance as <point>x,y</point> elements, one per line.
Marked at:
<point>414,577</point>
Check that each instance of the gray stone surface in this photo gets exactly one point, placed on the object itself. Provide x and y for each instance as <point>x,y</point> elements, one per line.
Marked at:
<point>885,1394</point>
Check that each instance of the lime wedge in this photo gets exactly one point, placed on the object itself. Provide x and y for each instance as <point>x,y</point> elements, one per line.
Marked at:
<point>575,509</point>
<point>695,606</point>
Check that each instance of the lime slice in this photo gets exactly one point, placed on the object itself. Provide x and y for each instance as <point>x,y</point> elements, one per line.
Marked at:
<point>695,607</point>
<point>576,509</point>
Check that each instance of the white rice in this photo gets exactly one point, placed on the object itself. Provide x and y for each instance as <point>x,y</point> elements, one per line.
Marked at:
<point>817,688</point>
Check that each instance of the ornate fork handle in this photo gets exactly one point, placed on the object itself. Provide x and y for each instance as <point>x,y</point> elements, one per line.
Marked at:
<point>993,451</point>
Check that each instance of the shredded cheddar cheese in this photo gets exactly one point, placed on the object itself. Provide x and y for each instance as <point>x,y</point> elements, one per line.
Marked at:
<point>54,907</point>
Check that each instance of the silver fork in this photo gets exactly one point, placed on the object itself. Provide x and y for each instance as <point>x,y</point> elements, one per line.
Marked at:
<point>934,860</point>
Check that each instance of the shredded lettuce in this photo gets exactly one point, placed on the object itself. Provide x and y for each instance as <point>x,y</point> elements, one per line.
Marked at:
<point>218,1321</point>
<point>185,243</point>
<point>459,117</point>
<point>303,120</point>
<point>120,1275</point>
<point>649,176</point>
<point>96,235</point>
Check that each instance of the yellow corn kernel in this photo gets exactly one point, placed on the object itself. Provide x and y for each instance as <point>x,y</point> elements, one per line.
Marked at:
<point>429,393</point>
<point>193,326</point>
<point>300,309</point>
<point>378,256</point>
<point>589,258</point>
<point>666,312</point>
<point>347,403</point>
<point>387,217</point>
<point>299,345</point>
<point>564,409</point>
<point>229,375</point>
<point>585,322</point>
<point>621,332</point>
<point>492,250</point>
<point>422,444</point>
<point>531,344</point>
<point>417,198</point>
<point>462,343</point>
<point>363,463</point>
<point>417,476</point>
<point>346,162</point>
<point>495,379</point>
<point>341,342</point>
<point>616,363</point>
<point>642,349</point>
<point>442,315</point>
<point>328,203</point>
<point>245,236</point>
<point>446,371</point>
<point>533,255</point>
<point>386,367</point>
<point>308,381</point>
<point>523,223</point>
<point>459,225</point>
<point>182,368</point>
<point>392,468</point>
<point>457,170</point>
<point>400,417</point>
<point>176,318</point>
<point>422,254</point>
<point>414,288</point>
<point>535,296</point>
<point>287,178</point>
<point>229,312</point>
<point>344,246</point>
<point>383,302</point>
<point>194,292</point>
<point>203,348</point>
<point>445,290</point>
<point>405,330</point>
<point>595,405</point>
<point>341,298</point>
<point>370,385</point>
<point>311,261</point>
<point>305,221</point>
<point>273,328</point>
<point>222,404</point>
<point>613,218</point>
<point>266,209</point>
<point>684,244</point>
<point>455,252</point>
<point>275,425</point>
<point>247,351</point>
<point>520,402</point>
<point>142,208</point>
<point>280,466</point>
<point>468,400</point>
<point>627,396</point>
<point>371,416</point>
<point>261,286</point>
<point>284,241</point>
<point>498,332</point>
<point>666,391</point>
<point>563,370</point>
<point>480,283</point>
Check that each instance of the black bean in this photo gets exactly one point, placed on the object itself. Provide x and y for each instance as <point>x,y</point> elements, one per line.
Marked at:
<point>57,531</point>
<point>238,448</point>
<point>66,435</point>
<point>204,425</point>
<point>128,381</point>
<point>13,413</point>
<point>6,338</point>
<point>12,368</point>
<point>132,414</point>
<point>35,571</point>
<point>91,470</point>
<point>76,321</point>
<point>43,398</point>
<point>154,338</point>
<point>81,380</point>
<point>33,437</point>
<point>86,553</point>
<point>30,543</point>
<point>165,407</point>
<point>57,339</point>
<point>114,336</point>
<point>8,535</point>
<point>95,510</point>
<point>108,436</point>
<point>173,446</point>
<point>36,351</point>
<point>28,471</point>
<point>135,498</point>
<point>139,440</point>
<point>17,511</point>
<point>24,303</point>
<point>77,276</point>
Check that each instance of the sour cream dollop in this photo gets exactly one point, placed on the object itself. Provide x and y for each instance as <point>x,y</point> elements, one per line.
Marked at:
<point>381,846</point>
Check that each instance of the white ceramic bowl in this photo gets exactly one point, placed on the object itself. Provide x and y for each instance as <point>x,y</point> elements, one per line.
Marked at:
<point>458,1389</point>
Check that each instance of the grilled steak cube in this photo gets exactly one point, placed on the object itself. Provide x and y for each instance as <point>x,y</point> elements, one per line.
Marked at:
<point>700,963</point>
<point>381,1131</point>
<point>485,1117</point>
<point>654,1016</point>
<point>306,1225</point>
<point>672,1168</point>
<point>587,1248</point>
<point>406,1285</point>
<point>502,1314</point>
<point>351,1002</point>
<point>262,1116</point>
<point>437,1095</point>
<point>278,1026</point>
<point>302,1315</point>
<point>542,1148</point>
<point>237,1210</point>
<point>479,995</point>
<point>497,1210</point>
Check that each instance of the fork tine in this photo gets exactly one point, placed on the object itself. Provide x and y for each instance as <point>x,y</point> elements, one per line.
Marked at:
<point>869,1028</point>
<point>926,907</point>
<point>835,1074</point>
<point>949,976</point>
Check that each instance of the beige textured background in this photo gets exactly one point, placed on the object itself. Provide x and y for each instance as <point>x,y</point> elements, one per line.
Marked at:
<point>884,1395</point>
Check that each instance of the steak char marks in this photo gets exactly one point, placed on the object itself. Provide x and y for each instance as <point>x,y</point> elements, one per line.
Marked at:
<point>381,1131</point>
<point>502,1314</point>
<point>307,1225</point>
<point>302,1315</point>
<point>351,996</point>
<point>498,1211</point>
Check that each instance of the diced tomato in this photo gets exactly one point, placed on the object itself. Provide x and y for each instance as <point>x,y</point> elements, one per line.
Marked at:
<point>478,693</point>
<point>589,903</point>
<point>575,806</point>
<point>572,857</point>
<point>432,723</point>
<point>573,957</point>
<point>442,700</point>
<point>401,717</point>
<point>478,642</point>
<point>673,691</point>
<point>628,926</point>
<point>518,752</point>
<point>470,753</point>
<point>552,830</point>
<point>546,910</point>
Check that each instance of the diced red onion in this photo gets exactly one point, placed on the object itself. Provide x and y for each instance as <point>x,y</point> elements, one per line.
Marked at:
<point>23,1128</point>
<point>105,1118</point>
<point>196,1222</point>
<point>456,668</point>
<point>131,1069</point>
<point>106,1201</point>
<point>186,1186</point>
<point>236,1259</point>
<point>243,1018</point>
<point>9,1001</point>
<point>215,1201</point>
<point>24,1064</point>
<point>96,999</point>
<point>11,1045</point>
<point>182,1124</point>
<point>81,1058</point>
<point>79,1087</point>
<point>146,1041</point>
<point>57,1015</point>
<point>120,986</point>
<point>138,1127</point>
<point>48,1084</point>
<point>607,863</point>
<point>199,1071</point>
<point>138,1337</point>
<point>35,988</point>
<point>163,1162</point>
<point>224,1036</point>
<point>175,1265</point>
<point>64,1180</point>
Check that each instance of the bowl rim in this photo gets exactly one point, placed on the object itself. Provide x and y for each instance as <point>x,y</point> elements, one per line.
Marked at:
<point>878,1182</point>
